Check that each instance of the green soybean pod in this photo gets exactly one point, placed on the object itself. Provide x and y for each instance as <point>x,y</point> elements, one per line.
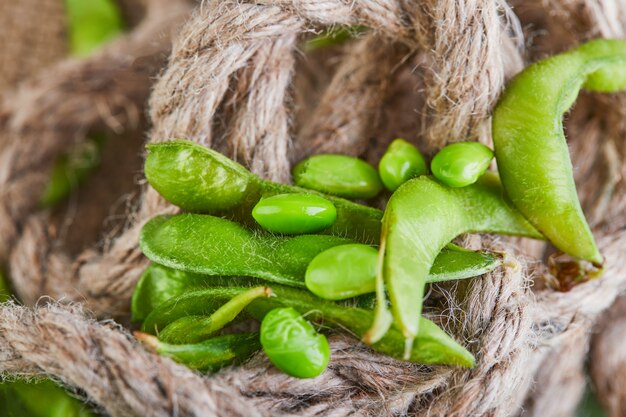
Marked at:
<point>158,283</point>
<point>293,345</point>
<point>91,23</point>
<point>432,345</point>
<point>294,213</point>
<point>340,175</point>
<point>415,229</point>
<point>214,246</point>
<point>202,180</point>
<point>530,145</point>
<point>210,355</point>
<point>348,271</point>
<point>194,329</point>
<point>461,164</point>
<point>180,242</point>
<point>401,162</point>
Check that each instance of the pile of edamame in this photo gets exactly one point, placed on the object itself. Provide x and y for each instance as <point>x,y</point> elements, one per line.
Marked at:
<point>304,259</point>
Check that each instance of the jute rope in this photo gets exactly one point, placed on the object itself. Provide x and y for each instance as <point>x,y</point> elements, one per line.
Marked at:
<point>33,36</point>
<point>227,86</point>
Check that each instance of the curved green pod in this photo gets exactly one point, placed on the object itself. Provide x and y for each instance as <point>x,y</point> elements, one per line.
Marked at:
<point>415,229</point>
<point>210,355</point>
<point>530,145</point>
<point>201,180</point>
<point>432,345</point>
<point>207,245</point>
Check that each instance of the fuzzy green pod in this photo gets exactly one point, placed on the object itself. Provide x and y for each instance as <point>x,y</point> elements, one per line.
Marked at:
<point>530,145</point>
<point>401,162</point>
<point>432,345</point>
<point>415,229</point>
<point>340,175</point>
<point>292,344</point>
<point>202,180</point>
<point>461,164</point>
<point>294,213</point>
<point>210,355</point>
<point>199,245</point>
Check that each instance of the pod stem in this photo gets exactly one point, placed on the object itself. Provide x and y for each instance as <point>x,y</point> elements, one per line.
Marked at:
<point>227,313</point>
<point>149,341</point>
<point>382,316</point>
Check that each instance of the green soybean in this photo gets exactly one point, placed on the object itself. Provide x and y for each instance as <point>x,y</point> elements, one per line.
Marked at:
<point>210,355</point>
<point>91,23</point>
<point>432,345</point>
<point>340,175</point>
<point>194,329</point>
<point>202,180</point>
<point>201,244</point>
<point>401,162</point>
<point>530,145</point>
<point>461,164</point>
<point>293,345</point>
<point>342,272</point>
<point>415,229</point>
<point>347,271</point>
<point>294,213</point>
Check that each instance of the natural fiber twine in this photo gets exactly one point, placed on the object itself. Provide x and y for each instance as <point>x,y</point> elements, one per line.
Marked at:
<point>430,70</point>
<point>33,35</point>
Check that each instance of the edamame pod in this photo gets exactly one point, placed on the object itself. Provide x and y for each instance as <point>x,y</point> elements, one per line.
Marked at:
<point>294,214</point>
<point>209,245</point>
<point>461,164</point>
<point>293,345</point>
<point>194,329</point>
<point>202,180</point>
<point>432,345</point>
<point>210,355</point>
<point>159,283</point>
<point>215,246</point>
<point>341,175</point>
<point>401,162</point>
<point>415,229</point>
<point>530,145</point>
